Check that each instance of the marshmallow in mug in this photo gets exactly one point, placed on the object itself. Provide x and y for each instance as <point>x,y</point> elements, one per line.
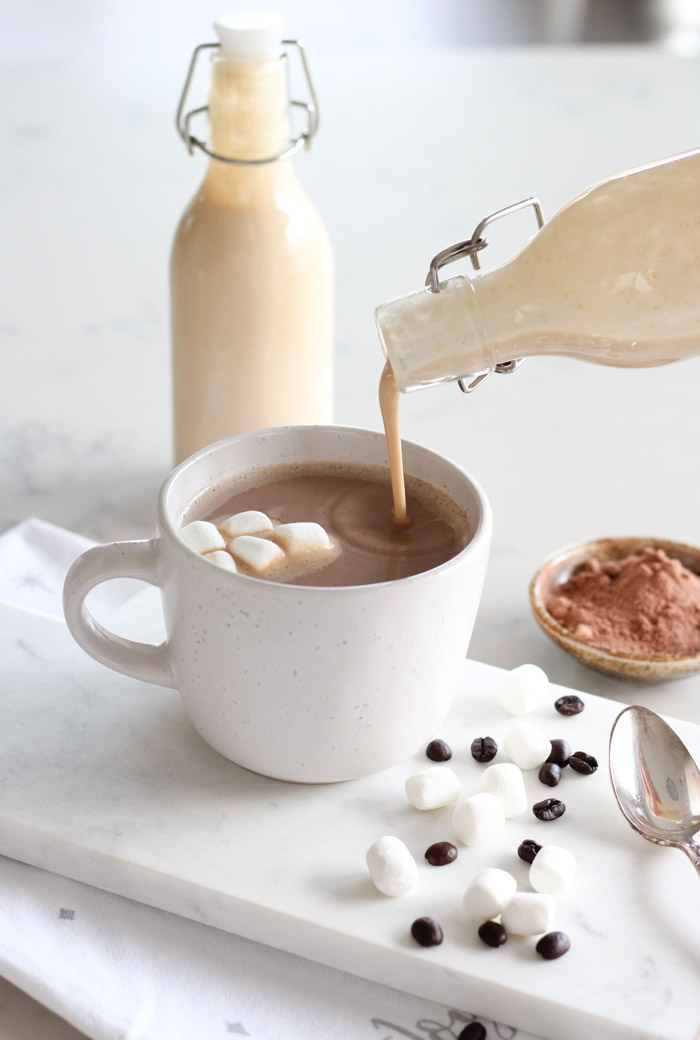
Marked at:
<point>252,539</point>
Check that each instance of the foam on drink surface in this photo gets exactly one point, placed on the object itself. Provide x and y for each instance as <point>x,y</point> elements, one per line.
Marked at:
<point>334,524</point>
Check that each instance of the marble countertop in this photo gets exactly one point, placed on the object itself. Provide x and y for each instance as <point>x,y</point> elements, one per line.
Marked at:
<point>413,151</point>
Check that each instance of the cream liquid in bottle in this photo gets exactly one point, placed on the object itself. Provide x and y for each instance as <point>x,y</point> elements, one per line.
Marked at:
<point>251,266</point>
<point>613,278</point>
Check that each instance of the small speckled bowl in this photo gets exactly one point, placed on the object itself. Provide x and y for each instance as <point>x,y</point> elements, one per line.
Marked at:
<point>558,569</point>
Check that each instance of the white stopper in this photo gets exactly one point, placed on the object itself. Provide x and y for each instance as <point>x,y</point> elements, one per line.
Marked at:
<point>391,866</point>
<point>488,894</point>
<point>554,873</point>
<point>259,553</point>
<point>432,788</point>
<point>527,745</point>
<point>222,559</point>
<point>505,780</point>
<point>202,536</point>
<point>478,818</point>
<point>529,913</point>
<point>301,538</point>
<point>523,689</point>
<point>250,35</point>
<point>252,521</point>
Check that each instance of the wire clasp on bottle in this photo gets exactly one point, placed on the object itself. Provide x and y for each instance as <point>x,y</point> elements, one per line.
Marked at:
<point>303,140</point>
<point>471,248</point>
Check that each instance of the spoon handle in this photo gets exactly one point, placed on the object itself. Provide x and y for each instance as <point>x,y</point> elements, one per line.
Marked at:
<point>692,851</point>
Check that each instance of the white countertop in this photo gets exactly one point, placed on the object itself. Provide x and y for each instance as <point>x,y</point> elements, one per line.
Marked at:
<point>413,151</point>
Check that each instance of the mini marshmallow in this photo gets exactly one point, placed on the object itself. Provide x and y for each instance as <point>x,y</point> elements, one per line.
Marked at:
<point>258,553</point>
<point>489,893</point>
<point>527,745</point>
<point>301,538</point>
<point>202,536</point>
<point>523,689</point>
<point>252,521</point>
<point>478,818</point>
<point>222,559</point>
<point>529,913</point>
<point>391,866</point>
<point>505,780</point>
<point>554,872</point>
<point>432,788</point>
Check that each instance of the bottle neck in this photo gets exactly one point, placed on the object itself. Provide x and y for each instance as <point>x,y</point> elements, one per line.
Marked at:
<point>248,111</point>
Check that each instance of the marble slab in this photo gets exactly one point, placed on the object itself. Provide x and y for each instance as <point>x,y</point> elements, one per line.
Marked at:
<point>102,779</point>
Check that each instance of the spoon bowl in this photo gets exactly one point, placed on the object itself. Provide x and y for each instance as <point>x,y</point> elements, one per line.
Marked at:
<point>655,780</point>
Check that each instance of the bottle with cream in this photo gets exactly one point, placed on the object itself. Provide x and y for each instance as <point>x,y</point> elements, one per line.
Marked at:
<point>613,278</point>
<point>251,265</point>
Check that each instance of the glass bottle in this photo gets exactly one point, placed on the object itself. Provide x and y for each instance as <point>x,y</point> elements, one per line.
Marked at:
<point>251,264</point>
<point>613,278</point>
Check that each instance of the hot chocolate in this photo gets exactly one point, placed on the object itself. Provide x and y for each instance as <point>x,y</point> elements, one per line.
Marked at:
<point>352,503</point>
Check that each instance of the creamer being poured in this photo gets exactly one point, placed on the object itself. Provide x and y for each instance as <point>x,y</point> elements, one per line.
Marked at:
<point>613,278</point>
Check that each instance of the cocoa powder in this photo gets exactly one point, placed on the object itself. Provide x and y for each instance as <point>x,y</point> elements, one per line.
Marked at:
<point>646,604</point>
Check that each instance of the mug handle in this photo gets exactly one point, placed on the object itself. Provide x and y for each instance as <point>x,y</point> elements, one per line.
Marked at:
<point>116,560</point>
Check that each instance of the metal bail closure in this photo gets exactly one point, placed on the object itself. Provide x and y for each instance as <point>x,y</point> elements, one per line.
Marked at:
<point>471,248</point>
<point>304,139</point>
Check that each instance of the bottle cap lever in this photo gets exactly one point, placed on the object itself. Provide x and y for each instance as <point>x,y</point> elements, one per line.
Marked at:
<point>303,140</point>
<point>471,248</point>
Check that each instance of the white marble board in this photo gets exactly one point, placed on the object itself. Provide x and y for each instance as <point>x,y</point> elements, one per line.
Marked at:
<point>103,779</point>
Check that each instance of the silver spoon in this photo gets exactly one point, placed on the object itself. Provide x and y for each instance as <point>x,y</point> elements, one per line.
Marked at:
<point>655,780</point>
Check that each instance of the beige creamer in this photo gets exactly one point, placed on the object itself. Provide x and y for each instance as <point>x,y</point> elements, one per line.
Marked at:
<point>251,265</point>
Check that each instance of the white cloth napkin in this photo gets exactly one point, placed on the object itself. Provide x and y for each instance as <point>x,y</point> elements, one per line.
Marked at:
<point>119,970</point>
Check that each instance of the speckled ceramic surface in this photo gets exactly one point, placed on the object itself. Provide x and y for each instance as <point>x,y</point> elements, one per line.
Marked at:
<point>559,568</point>
<point>300,683</point>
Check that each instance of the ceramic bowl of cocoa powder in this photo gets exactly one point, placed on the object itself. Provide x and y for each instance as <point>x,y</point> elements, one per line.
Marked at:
<point>628,607</point>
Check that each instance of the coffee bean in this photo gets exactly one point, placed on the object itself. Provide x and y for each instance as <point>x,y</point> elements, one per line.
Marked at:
<point>549,809</point>
<point>528,849</point>
<point>440,853</point>
<point>492,933</point>
<point>427,932</point>
<point>553,945</point>
<point>560,753</point>
<point>438,751</point>
<point>484,749</point>
<point>569,705</point>
<point>474,1031</point>
<point>550,774</point>
<point>580,762</point>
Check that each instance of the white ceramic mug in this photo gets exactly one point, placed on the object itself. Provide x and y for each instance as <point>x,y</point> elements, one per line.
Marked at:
<point>299,683</point>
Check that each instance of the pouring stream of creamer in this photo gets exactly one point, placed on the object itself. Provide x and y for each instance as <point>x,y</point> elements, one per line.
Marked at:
<point>389,405</point>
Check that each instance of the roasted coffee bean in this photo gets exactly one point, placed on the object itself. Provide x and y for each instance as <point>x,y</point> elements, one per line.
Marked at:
<point>528,849</point>
<point>549,774</point>
<point>492,933</point>
<point>427,932</point>
<point>474,1031</point>
<point>560,753</point>
<point>580,762</point>
<point>549,809</point>
<point>438,751</point>
<point>569,705</point>
<point>440,853</point>
<point>484,749</point>
<point>553,945</point>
